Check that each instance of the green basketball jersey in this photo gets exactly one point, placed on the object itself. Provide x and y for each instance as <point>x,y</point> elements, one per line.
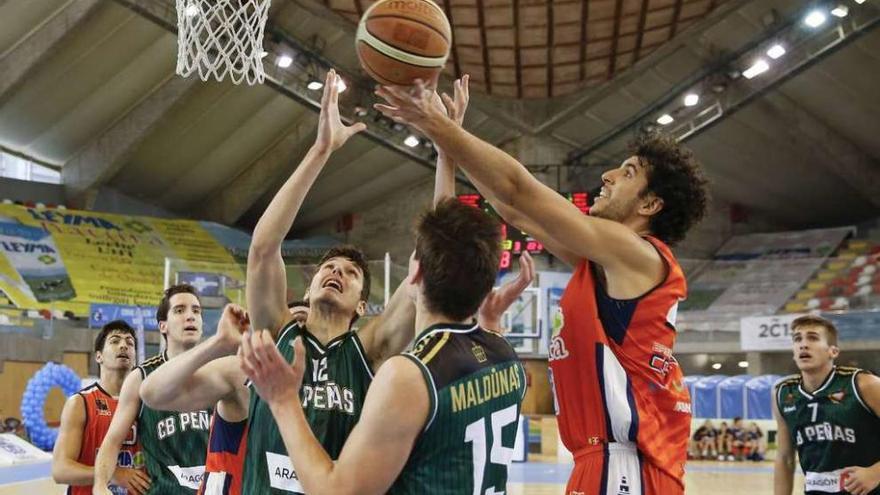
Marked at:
<point>832,428</point>
<point>476,384</point>
<point>174,444</point>
<point>333,390</point>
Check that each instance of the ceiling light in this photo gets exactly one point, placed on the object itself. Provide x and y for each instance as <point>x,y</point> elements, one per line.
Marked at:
<point>263,54</point>
<point>716,366</point>
<point>411,141</point>
<point>665,119</point>
<point>759,67</point>
<point>815,19</point>
<point>191,10</point>
<point>691,99</point>
<point>776,51</point>
<point>340,86</point>
<point>860,2</point>
<point>315,85</point>
<point>743,364</point>
<point>840,11</point>
<point>284,61</point>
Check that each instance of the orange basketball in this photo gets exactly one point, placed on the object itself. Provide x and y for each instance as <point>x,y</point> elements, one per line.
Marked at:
<point>399,41</point>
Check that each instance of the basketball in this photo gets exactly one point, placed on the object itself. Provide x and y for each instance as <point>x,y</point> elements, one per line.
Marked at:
<point>399,41</point>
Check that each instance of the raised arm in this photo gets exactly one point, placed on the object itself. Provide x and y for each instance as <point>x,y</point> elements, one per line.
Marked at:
<point>497,302</point>
<point>125,415</point>
<point>205,374</point>
<point>783,467</point>
<point>389,333</point>
<point>444,179</point>
<point>510,187</point>
<point>266,277</point>
<point>395,412</point>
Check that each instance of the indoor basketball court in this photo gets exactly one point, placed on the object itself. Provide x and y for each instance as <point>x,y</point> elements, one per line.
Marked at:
<point>694,183</point>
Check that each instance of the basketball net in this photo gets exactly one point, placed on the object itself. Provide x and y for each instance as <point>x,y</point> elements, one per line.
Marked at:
<point>217,38</point>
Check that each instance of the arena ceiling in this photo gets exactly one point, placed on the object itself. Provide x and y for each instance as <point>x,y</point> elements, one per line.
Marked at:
<point>88,86</point>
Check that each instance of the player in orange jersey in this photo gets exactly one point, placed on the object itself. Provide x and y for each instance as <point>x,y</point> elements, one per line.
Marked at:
<point>87,415</point>
<point>620,401</point>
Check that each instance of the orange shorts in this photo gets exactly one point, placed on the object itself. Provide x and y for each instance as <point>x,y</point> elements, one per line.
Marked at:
<point>617,469</point>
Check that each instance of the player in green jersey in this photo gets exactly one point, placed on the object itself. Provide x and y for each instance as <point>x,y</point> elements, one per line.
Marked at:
<point>173,444</point>
<point>441,420</point>
<point>341,361</point>
<point>470,377</point>
<point>829,415</point>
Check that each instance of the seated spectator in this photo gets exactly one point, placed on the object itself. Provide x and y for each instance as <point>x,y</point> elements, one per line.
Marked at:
<point>737,442</point>
<point>722,441</point>
<point>754,443</point>
<point>704,441</point>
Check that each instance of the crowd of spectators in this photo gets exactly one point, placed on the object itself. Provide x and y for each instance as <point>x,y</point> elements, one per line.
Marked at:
<point>736,442</point>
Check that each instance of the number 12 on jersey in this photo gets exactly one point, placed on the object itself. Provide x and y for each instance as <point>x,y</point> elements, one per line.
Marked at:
<point>475,434</point>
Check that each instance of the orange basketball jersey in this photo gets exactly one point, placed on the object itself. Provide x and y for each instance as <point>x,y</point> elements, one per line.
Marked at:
<point>224,464</point>
<point>100,407</point>
<point>614,377</point>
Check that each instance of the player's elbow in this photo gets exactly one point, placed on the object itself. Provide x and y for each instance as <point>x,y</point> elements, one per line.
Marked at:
<point>264,245</point>
<point>151,394</point>
<point>59,472</point>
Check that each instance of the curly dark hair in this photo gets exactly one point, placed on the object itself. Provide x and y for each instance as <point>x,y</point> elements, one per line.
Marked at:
<point>677,178</point>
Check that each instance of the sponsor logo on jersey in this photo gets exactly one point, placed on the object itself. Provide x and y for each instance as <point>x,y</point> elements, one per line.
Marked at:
<point>658,348</point>
<point>190,477</point>
<point>831,482</point>
<point>558,321</point>
<point>281,473</point>
<point>660,364</point>
<point>682,407</point>
<point>102,407</point>
<point>557,349</point>
<point>788,409</point>
<point>623,486</point>
<point>789,399</point>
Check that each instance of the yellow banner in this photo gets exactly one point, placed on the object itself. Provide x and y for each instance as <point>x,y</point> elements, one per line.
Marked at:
<point>67,259</point>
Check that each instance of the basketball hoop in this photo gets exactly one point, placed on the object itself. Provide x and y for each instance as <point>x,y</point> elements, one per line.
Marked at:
<point>217,38</point>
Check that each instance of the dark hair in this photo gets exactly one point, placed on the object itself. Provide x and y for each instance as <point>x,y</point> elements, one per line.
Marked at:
<point>293,304</point>
<point>813,320</point>
<point>675,177</point>
<point>357,257</point>
<point>119,326</point>
<point>165,303</point>
<point>458,248</point>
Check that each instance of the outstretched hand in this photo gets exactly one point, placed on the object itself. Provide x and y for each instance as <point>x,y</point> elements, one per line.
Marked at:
<point>233,323</point>
<point>332,133</point>
<point>412,105</point>
<point>276,380</point>
<point>497,302</point>
<point>457,106</point>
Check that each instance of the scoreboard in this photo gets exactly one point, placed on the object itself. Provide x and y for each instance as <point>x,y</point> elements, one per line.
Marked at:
<point>513,240</point>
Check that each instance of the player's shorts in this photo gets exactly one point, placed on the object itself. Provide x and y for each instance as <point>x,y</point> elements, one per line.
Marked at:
<point>617,468</point>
